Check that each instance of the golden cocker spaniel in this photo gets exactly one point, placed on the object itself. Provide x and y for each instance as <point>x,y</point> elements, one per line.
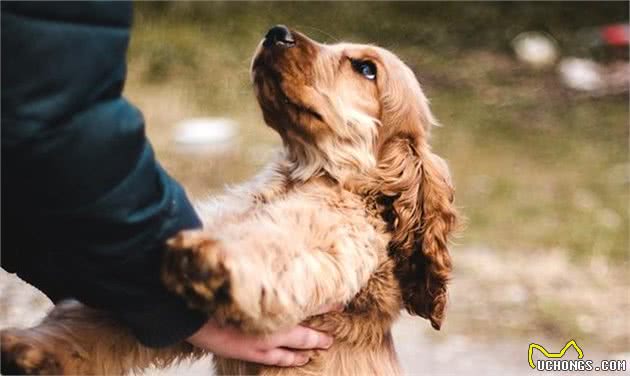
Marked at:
<point>356,209</point>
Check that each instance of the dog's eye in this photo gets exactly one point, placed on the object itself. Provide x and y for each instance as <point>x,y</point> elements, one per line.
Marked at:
<point>364,67</point>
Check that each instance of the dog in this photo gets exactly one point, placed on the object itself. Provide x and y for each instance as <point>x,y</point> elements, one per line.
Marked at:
<point>356,209</point>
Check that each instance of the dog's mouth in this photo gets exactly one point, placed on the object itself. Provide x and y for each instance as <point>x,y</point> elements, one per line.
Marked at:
<point>274,98</point>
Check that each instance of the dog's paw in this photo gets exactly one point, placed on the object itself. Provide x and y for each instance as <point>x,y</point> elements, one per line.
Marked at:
<point>21,355</point>
<point>194,268</point>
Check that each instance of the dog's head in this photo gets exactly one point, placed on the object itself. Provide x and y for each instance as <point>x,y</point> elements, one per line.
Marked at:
<point>357,113</point>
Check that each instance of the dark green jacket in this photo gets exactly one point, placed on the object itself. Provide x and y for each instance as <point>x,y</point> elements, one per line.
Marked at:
<point>85,206</point>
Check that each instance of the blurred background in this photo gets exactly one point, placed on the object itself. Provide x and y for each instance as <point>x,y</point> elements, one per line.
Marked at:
<point>534,102</point>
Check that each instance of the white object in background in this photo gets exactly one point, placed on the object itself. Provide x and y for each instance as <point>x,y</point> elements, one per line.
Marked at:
<point>535,48</point>
<point>581,74</point>
<point>206,133</point>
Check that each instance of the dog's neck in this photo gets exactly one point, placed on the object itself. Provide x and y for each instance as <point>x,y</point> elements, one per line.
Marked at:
<point>337,162</point>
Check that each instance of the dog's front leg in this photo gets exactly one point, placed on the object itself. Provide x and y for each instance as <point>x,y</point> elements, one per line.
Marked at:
<point>275,268</point>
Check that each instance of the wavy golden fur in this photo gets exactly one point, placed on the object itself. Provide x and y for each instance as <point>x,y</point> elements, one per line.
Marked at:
<point>356,209</point>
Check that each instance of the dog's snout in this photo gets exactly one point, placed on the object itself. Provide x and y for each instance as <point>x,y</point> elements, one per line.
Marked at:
<point>279,35</point>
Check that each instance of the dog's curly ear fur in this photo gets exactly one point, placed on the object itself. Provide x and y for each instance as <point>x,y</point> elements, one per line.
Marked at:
<point>422,215</point>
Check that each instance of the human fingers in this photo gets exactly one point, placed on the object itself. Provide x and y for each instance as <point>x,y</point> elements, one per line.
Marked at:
<point>281,358</point>
<point>299,337</point>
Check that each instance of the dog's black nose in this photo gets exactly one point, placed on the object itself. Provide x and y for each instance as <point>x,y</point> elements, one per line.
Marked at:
<point>279,35</point>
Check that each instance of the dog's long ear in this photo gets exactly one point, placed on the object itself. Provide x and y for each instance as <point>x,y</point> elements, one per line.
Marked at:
<point>422,214</point>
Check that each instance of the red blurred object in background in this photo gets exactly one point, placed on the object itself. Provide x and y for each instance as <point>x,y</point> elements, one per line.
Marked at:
<point>616,35</point>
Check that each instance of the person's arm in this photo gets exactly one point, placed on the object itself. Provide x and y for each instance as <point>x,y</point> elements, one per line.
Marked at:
<point>86,208</point>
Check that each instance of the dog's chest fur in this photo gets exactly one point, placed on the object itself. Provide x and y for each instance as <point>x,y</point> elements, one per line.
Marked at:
<point>364,325</point>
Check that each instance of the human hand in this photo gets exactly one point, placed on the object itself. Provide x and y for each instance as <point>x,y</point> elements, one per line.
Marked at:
<point>278,349</point>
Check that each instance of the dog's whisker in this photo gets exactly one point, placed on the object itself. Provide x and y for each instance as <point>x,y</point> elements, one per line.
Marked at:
<point>335,39</point>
